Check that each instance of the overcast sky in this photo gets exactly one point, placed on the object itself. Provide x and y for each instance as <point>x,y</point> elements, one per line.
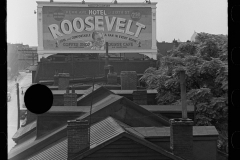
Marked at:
<point>175,19</point>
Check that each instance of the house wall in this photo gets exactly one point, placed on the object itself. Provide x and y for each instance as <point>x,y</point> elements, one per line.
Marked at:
<point>126,149</point>
<point>204,147</point>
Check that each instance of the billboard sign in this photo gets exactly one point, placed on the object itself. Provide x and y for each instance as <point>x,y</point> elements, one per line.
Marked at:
<point>86,28</point>
<point>70,28</point>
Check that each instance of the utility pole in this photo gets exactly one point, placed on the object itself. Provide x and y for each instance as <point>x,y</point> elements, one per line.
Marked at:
<point>18,106</point>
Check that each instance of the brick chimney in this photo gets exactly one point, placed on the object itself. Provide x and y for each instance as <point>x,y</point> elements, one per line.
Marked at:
<point>78,137</point>
<point>140,97</point>
<point>63,81</point>
<point>181,130</point>
<point>128,80</point>
<point>70,99</point>
<point>55,78</point>
<point>181,138</point>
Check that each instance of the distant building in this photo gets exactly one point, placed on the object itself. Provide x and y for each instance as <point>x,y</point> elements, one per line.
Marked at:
<point>20,57</point>
<point>193,37</point>
<point>164,47</point>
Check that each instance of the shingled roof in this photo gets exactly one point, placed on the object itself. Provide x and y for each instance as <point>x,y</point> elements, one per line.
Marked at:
<point>105,131</point>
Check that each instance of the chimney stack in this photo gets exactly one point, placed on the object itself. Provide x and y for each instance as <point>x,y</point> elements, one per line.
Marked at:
<point>63,81</point>
<point>128,80</point>
<point>140,97</point>
<point>78,137</point>
<point>181,138</point>
<point>70,99</point>
<point>181,130</point>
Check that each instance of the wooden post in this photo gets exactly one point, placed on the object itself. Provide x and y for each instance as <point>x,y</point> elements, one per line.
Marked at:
<point>18,106</point>
<point>183,94</point>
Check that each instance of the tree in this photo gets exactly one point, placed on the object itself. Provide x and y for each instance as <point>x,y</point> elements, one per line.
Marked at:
<point>205,62</point>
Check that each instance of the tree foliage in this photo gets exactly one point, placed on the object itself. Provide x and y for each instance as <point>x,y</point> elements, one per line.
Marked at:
<point>205,63</point>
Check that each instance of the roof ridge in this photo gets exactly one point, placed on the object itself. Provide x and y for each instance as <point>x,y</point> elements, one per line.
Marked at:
<point>116,122</point>
<point>89,91</point>
<point>159,116</point>
<point>126,128</point>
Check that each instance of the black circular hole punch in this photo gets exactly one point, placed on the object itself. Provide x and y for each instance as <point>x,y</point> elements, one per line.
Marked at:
<point>38,99</point>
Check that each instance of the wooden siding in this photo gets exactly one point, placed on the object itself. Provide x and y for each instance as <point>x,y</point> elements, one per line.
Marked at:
<point>125,148</point>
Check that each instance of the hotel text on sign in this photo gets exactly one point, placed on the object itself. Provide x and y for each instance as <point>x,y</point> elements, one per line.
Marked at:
<point>88,28</point>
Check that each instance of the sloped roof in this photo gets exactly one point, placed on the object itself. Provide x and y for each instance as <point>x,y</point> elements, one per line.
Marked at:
<point>61,92</point>
<point>64,109</point>
<point>87,93</point>
<point>34,144</point>
<point>116,99</point>
<point>101,104</point>
<point>23,130</point>
<point>22,146</point>
<point>97,106</point>
<point>100,133</point>
<point>55,151</point>
<point>149,91</point>
<point>167,108</point>
<point>165,131</point>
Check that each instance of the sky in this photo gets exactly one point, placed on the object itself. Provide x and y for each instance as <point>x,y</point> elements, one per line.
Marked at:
<point>176,19</point>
